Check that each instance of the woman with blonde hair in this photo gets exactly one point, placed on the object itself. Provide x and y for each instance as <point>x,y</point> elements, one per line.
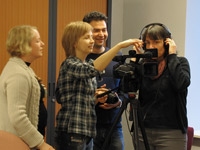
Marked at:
<point>20,89</point>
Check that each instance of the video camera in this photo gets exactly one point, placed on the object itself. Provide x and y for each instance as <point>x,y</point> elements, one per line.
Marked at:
<point>112,98</point>
<point>130,73</point>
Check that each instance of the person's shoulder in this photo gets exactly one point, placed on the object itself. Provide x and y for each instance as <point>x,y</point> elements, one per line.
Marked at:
<point>69,59</point>
<point>69,62</point>
<point>182,58</point>
<point>16,65</point>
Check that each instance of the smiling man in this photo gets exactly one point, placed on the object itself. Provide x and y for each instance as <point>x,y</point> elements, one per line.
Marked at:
<point>106,112</point>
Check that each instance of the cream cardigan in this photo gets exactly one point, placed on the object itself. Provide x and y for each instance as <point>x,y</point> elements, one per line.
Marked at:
<point>19,101</point>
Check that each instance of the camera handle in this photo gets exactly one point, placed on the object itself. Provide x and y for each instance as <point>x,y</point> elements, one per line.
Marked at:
<point>134,104</point>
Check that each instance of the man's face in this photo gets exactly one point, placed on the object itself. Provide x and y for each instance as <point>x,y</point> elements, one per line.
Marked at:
<point>100,33</point>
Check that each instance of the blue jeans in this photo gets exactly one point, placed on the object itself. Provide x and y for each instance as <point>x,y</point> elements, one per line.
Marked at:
<point>116,141</point>
<point>72,141</point>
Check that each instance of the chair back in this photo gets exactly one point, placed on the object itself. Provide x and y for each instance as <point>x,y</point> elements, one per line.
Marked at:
<point>190,136</point>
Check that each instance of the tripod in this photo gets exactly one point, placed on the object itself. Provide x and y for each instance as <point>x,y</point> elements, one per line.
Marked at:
<point>134,116</point>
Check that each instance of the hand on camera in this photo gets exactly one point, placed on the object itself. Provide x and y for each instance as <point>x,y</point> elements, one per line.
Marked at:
<point>99,91</point>
<point>135,42</point>
<point>110,105</point>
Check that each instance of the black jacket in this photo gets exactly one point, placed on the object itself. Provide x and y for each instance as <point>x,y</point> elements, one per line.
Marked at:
<point>163,100</point>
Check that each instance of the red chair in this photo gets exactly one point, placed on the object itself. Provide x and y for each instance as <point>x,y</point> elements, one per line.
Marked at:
<point>190,135</point>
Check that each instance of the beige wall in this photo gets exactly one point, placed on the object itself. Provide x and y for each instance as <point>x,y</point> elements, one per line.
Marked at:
<point>129,17</point>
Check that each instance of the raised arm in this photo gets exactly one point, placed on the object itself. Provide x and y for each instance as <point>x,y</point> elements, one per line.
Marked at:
<point>101,62</point>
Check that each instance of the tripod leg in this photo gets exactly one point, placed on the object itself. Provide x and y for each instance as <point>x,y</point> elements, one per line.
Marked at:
<point>143,130</point>
<point>135,124</point>
<point>118,116</point>
<point>138,121</point>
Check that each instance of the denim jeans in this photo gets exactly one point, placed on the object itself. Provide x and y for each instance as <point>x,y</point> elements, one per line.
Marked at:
<point>116,141</point>
<point>72,141</point>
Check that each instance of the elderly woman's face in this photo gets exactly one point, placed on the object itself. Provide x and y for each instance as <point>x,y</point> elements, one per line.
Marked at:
<point>36,45</point>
